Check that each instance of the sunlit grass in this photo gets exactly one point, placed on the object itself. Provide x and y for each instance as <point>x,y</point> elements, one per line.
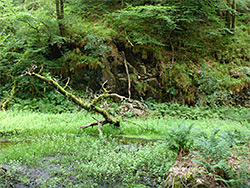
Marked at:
<point>40,141</point>
<point>33,125</point>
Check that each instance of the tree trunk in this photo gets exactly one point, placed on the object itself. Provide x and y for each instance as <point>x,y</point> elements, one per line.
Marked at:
<point>60,16</point>
<point>228,15</point>
<point>62,9</point>
<point>57,10</point>
<point>122,4</point>
<point>234,14</point>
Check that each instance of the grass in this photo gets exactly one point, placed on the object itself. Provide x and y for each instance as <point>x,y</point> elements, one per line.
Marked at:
<point>48,150</point>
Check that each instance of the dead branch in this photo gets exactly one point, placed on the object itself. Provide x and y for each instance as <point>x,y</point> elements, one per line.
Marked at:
<point>127,71</point>
<point>99,127</point>
<point>121,98</point>
<point>89,106</point>
<point>99,123</point>
<point>92,124</point>
<point>41,70</point>
<point>67,83</point>
<point>104,89</point>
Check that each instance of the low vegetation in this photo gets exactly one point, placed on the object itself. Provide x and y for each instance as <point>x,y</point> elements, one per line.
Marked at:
<point>48,150</point>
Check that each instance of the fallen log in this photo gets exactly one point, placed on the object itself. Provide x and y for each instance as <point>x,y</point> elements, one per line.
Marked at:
<point>89,106</point>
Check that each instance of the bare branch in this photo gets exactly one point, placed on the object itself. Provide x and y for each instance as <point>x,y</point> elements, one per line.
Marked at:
<point>67,83</point>
<point>41,70</point>
<point>104,89</point>
<point>129,82</point>
<point>90,106</point>
<point>92,124</point>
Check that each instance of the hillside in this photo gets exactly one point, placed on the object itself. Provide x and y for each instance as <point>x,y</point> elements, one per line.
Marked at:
<point>190,52</point>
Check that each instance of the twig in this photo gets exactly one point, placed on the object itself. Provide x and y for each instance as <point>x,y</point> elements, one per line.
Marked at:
<point>241,123</point>
<point>122,98</point>
<point>4,169</point>
<point>41,70</point>
<point>129,40</point>
<point>31,69</point>
<point>104,89</point>
<point>67,83</point>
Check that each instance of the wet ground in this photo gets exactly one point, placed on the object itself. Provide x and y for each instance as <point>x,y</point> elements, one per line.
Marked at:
<point>48,172</point>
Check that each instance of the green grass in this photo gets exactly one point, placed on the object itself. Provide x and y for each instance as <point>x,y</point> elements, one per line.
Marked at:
<point>53,152</point>
<point>32,125</point>
<point>56,139</point>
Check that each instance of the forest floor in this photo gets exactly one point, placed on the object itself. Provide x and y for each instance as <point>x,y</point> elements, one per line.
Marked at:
<point>49,150</point>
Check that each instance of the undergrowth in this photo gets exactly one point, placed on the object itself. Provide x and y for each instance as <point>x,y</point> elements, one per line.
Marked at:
<point>55,103</point>
<point>52,147</point>
<point>168,110</point>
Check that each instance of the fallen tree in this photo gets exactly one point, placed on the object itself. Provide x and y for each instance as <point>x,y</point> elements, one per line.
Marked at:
<point>90,106</point>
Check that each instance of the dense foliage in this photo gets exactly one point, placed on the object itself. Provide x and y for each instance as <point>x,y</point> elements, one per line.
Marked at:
<point>181,51</point>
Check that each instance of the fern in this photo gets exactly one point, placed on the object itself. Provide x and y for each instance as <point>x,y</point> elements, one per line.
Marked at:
<point>180,137</point>
<point>213,153</point>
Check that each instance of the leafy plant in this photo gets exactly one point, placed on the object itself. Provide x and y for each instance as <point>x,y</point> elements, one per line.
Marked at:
<point>235,137</point>
<point>213,154</point>
<point>96,46</point>
<point>53,103</point>
<point>180,138</point>
<point>209,147</point>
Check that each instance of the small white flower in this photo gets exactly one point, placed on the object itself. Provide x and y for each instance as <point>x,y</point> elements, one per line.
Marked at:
<point>199,181</point>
